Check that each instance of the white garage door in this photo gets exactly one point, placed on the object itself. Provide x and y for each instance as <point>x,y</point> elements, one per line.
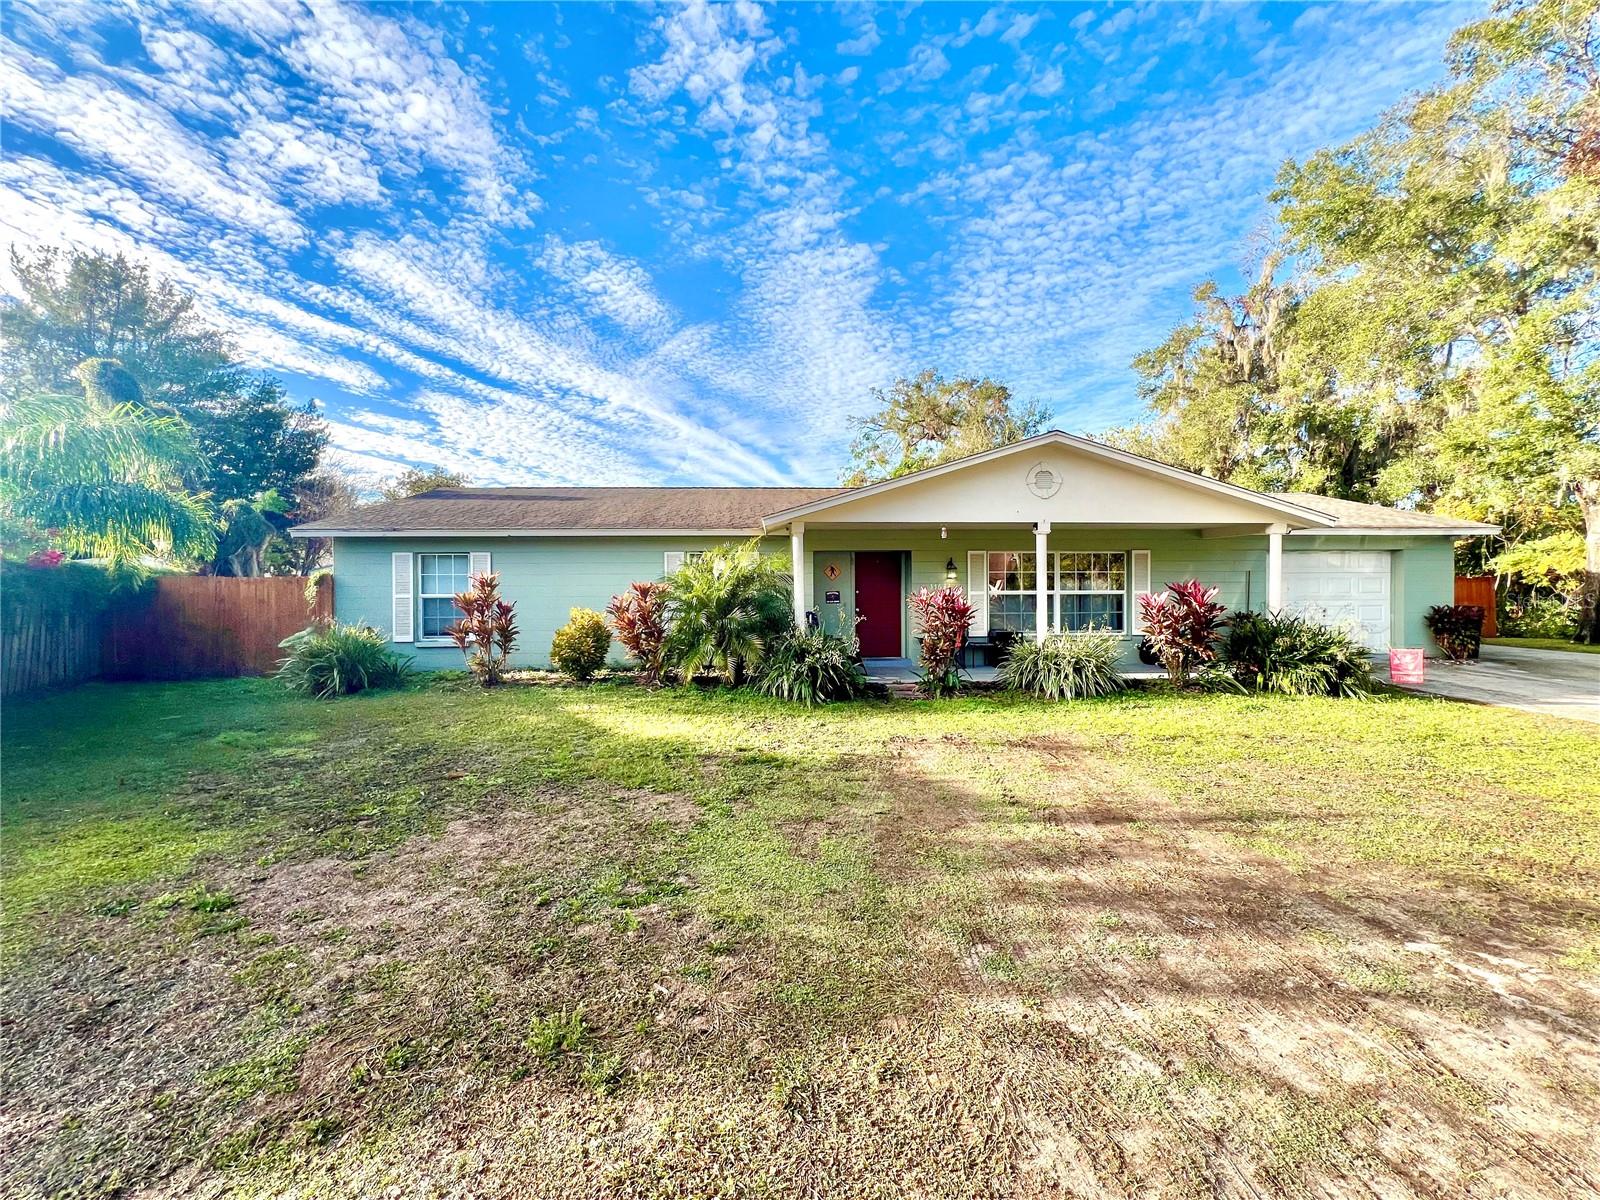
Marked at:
<point>1341,587</point>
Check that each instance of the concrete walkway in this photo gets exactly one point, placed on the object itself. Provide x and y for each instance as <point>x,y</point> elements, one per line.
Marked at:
<point>1559,683</point>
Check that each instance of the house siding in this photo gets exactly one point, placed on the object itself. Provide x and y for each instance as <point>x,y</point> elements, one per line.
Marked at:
<point>549,576</point>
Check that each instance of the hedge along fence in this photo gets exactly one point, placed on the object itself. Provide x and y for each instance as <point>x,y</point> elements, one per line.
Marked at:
<point>206,626</point>
<point>66,624</point>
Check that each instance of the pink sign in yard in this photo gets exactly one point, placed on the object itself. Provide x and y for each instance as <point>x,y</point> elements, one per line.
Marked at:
<point>1405,667</point>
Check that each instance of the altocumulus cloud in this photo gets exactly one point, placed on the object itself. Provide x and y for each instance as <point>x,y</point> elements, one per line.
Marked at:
<point>575,244</point>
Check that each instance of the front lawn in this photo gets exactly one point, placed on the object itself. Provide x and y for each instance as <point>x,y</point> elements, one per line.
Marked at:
<point>1536,643</point>
<point>603,942</point>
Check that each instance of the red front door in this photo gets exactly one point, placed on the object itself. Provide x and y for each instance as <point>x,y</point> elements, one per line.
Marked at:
<point>878,603</point>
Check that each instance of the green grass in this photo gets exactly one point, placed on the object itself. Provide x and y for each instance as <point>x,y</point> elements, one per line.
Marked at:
<point>728,912</point>
<point>1544,643</point>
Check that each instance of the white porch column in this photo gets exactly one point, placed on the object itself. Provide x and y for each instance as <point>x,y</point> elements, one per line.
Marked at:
<point>1041,580</point>
<point>1275,568</point>
<point>797,549</point>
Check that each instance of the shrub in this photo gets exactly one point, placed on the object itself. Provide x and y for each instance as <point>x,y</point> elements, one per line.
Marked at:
<point>1458,628</point>
<point>1281,652</point>
<point>812,667</point>
<point>580,646</point>
<point>1065,666</point>
<point>487,631</point>
<point>724,609</point>
<point>336,660</point>
<point>1540,617</point>
<point>944,619</point>
<point>1182,625</point>
<point>639,617</point>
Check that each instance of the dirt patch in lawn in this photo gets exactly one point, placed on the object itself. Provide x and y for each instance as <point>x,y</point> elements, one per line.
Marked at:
<point>1052,979</point>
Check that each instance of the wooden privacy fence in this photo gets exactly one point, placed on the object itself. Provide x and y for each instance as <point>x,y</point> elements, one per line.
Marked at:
<point>1479,590</point>
<point>49,648</point>
<point>195,626</point>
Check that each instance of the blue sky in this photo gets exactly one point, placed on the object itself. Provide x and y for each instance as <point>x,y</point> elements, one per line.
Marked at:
<point>623,244</point>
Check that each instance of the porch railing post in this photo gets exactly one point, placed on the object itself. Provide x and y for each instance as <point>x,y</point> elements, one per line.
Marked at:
<point>797,549</point>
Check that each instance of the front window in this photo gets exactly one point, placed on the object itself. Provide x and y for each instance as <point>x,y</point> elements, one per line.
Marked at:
<point>443,576</point>
<point>1013,598</point>
<point>1089,590</point>
<point>1085,589</point>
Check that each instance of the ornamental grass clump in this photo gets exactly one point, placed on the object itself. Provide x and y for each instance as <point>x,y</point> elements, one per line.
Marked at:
<point>944,620</point>
<point>581,645</point>
<point>1065,666</point>
<point>1182,625</point>
<point>1294,656</point>
<point>639,617</point>
<point>487,631</point>
<point>337,660</point>
<point>1458,628</point>
<point>812,667</point>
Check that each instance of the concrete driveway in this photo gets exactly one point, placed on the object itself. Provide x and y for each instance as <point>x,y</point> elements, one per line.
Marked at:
<point>1557,682</point>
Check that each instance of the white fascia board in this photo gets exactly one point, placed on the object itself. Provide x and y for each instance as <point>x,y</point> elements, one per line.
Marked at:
<point>1056,438</point>
<point>301,532</point>
<point>1408,531</point>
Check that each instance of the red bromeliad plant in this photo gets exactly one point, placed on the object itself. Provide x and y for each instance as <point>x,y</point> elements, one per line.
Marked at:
<point>1182,625</point>
<point>639,617</point>
<point>487,631</point>
<point>944,618</point>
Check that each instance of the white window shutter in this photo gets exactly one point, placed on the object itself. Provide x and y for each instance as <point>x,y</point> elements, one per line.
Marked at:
<point>403,603</point>
<point>978,590</point>
<point>477,564</point>
<point>671,561</point>
<point>1139,575</point>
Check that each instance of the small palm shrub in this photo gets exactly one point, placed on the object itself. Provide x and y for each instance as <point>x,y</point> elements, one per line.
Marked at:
<point>724,609</point>
<point>1281,652</point>
<point>580,646</point>
<point>944,619</point>
<point>1458,628</point>
<point>639,616</point>
<point>1065,666</point>
<point>812,667</point>
<point>335,660</point>
<point>487,631</point>
<point>1182,625</point>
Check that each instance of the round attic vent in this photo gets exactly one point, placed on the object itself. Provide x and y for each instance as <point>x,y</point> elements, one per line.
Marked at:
<point>1043,482</point>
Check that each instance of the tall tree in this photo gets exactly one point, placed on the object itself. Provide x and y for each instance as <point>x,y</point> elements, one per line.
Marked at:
<point>413,481</point>
<point>102,473</point>
<point>1441,345</point>
<point>924,420</point>
<point>327,492</point>
<point>78,305</point>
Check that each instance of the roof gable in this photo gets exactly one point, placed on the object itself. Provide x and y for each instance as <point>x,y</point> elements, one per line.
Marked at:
<point>1054,477</point>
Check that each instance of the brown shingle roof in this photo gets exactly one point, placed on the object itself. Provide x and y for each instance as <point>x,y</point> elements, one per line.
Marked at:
<point>462,510</point>
<point>1353,515</point>
<point>501,510</point>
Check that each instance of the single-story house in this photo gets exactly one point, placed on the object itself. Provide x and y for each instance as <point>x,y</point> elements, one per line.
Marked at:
<point>1054,533</point>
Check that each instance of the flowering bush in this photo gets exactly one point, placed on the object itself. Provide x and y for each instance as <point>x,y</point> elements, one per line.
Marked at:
<point>580,646</point>
<point>944,619</point>
<point>1182,625</point>
<point>46,558</point>
<point>639,617</point>
<point>487,631</point>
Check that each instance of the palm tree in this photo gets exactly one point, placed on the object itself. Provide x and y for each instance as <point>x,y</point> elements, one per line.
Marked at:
<point>103,473</point>
<point>725,608</point>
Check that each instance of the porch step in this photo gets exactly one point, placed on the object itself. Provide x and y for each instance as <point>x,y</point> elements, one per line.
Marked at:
<point>902,689</point>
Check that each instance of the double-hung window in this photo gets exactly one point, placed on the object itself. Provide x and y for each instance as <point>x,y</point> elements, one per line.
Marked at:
<point>442,577</point>
<point>1084,589</point>
<point>1090,590</point>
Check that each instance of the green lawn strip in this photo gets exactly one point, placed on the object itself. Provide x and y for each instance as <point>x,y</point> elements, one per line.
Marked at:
<point>1540,643</point>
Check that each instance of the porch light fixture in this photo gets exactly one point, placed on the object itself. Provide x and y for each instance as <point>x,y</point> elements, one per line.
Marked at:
<point>950,571</point>
<point>943,533</point>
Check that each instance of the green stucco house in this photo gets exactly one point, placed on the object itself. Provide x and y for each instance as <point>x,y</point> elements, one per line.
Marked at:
<point>1054,533</point>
